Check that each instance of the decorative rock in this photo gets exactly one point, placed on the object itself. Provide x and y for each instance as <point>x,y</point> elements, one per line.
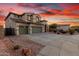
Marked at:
<point>27,52</point>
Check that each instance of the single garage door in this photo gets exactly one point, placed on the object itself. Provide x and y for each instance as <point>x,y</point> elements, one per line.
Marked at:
<point>23,30</point>
<point>36,29</point>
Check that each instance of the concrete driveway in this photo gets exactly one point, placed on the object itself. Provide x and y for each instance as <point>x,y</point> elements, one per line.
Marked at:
<point>56,44</point>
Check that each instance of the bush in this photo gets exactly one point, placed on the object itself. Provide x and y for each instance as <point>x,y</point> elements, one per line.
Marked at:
<point>26,52</point>
<point>53,27</point>
<point>62,31</point>
<point>54,30</point>
<point>71,31</point>
<point>16,47</point>
<point>58,32</point>
<point>77,30</point>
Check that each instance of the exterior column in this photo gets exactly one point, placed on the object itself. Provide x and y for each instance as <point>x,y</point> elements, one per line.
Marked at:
<point>43,28</point>
<point>47,28</point>
<point>17,30</point>
<point>30,29</point>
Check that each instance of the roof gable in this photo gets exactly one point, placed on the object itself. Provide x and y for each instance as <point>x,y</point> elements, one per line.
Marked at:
<point>13,14</point>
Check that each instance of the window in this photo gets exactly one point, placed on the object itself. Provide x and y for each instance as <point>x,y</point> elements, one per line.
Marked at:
<point>28,17</point>
<point>37,18</point>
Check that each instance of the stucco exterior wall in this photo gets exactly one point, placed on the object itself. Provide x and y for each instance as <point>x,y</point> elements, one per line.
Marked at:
<point>10,23</point>
<point>25,17</point>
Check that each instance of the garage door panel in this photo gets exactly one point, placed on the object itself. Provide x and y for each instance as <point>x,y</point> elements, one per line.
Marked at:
<point>23,30</point>
<point>36,29</point>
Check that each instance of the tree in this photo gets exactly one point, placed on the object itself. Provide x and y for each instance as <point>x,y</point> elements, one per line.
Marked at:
<point>53,26</point>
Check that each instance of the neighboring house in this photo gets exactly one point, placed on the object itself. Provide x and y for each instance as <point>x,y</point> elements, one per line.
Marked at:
<point>26,23</point>
<point>63,26</point>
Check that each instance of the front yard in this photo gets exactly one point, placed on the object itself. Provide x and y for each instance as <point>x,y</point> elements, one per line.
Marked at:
<point>41,44</point>
<point>22,42</point>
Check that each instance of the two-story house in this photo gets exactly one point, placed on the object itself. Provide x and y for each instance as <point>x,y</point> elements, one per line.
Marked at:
<point>26,23</point>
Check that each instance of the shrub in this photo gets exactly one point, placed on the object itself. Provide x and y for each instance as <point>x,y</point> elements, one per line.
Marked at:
<point>77,30</point>
<point>54,30</point>
<point>58,32</point>
<point>71,31</point>
<point>62,31</point>
<point>16,47</point>
<point>26,52</point>
<point>53,27</point>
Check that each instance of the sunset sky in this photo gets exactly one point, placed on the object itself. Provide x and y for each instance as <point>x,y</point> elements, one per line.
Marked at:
<point>61,13</point>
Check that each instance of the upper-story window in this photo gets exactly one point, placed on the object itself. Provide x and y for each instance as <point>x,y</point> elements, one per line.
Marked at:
<point>28,17</point>
<point>37,18</point>
<point>31,17</point>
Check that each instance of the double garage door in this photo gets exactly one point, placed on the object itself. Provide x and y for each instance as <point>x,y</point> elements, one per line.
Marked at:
<point>24,30</point>
<point>36,29</point>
